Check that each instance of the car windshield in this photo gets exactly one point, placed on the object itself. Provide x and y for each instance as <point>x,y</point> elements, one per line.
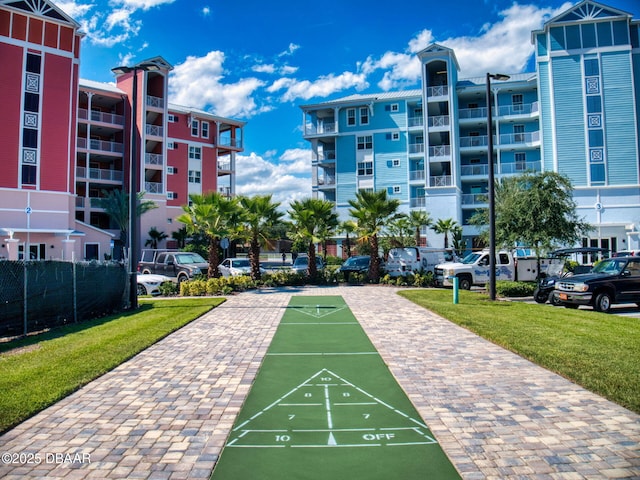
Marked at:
<point>240,263</point>
<point>611,267</point>
<point>471,258</point>
<point>189,258</point>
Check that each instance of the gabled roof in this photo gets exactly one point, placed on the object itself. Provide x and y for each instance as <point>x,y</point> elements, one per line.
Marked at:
<point>437,48</point>
<point>43,8</point>
<point>588,10</point>
<point>160,62</point>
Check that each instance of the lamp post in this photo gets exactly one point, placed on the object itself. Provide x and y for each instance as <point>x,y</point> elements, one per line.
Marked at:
<point>134,220</point>
<point>492,203</point>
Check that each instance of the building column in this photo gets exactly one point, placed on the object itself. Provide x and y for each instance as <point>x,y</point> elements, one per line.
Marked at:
<point>12,248</point>
<point>68,250</point>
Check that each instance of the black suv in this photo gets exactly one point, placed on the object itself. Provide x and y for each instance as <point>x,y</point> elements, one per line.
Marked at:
<point>614,280</point>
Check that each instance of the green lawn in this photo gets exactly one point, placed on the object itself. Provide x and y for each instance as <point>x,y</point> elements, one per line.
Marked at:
<point>37,371</point>
<point>598,351</point>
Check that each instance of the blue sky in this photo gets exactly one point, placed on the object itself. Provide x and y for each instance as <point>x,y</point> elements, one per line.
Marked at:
<point>259,61</point>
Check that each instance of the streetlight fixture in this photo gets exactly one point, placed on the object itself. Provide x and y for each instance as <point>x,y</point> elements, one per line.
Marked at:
<point>134,221</point>
<point>492,203</point>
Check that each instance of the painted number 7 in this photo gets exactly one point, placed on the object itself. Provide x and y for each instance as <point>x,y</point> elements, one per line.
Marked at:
<point>366,415</point>
<point>292,416</point>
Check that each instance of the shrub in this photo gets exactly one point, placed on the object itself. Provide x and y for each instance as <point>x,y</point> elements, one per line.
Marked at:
<point>168,289</point>
<point>515,289</point>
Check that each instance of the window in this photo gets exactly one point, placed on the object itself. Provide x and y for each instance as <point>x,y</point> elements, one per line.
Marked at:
<point>195,153</point>
<point>172,170</point>
<point>396,189</point>
<point>395,136</point>
<point>29,138</point>
<point>596,138</point>
<point>518,134</point>
<point>591,67</point>
<point>195,127</point>
<point>365,142</point>
<point>29,174</point>
<point>395,162</point>
<point>394,107</point>
<point>521,161</point>
<point>205,129</point>
<point>517,102</point>
<point>173,118</point>
<point>34,63</point>
<point>365,168</point>
<point>594,104</point>
<point>351,116</point>
<point>31,102</point>
<point>170,196</point>
<point>364,115</point>
<point>194,176</point>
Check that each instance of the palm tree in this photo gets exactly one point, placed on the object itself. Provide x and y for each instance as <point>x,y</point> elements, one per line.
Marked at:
<point>444,226</point>
<point>419,219</point>
<point>348,227</point>
<point>372,210</point>
<point>260,215</point>
<point>116,206</point>
<point>311,219</point>
<point>209,214</point>
<point>155,237</point>
<point>180,236</point>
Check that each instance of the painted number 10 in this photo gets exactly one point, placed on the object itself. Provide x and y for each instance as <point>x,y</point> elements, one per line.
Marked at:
<point>283,438</point>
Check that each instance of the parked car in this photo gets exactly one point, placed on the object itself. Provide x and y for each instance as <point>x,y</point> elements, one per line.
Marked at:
<point>357,264</point>
<point>180,266</point>
<point>232,267</point>
<point>149,283</point>
<point>301,264</point>
<point>614,280</point>
<point>626,253</point>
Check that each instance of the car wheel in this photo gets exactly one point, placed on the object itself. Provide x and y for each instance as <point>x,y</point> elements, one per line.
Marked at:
<point>464,283</point>
<point>603,302</point>
<point>142,290</point>
<point>555,300</point>
<point>540,297</point>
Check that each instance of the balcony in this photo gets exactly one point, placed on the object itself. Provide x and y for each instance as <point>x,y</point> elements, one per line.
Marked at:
<point>101,117</point>
<point>327,181</point>
<point>153,159</point>
<point>472,113</point>
<point>441,181</point>
<point>524,109</point>
<point>224,166</point>
<point>520,167</point>
<point>439,91</point>
<point>416,148</point>
<point>416,121</point>
<point>326,156</point>
<point>155,102</point>
<point>153,187</point>
<point>320,129</point>
<point>100,174</point>
<point>474,170</point>
<point>100,145</point>
<point>154,130</point>
<point>417,175</point>
<point>230,142</point>
<point>417,202</point>
<point>440,151</point>
<point>519,138</point>
<point>474,199</point>
<point>474,141</point>
<point>439,121</point>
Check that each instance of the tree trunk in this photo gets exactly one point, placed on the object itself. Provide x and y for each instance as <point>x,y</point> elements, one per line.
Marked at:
<point>374,265</point>
<point>254,257</point>
<point>312,268</point>
<point>214,258</point>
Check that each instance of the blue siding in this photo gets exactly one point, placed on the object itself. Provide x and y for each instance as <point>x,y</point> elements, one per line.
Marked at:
<point>346,159</point>
<point>569,112</point>
<point>620,131</point>
<point>546,114</point>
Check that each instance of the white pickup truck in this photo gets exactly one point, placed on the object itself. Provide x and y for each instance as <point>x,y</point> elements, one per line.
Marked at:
<point>474,269</point>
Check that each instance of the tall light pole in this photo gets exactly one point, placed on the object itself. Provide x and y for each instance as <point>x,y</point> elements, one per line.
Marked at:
<point>134,220</point>
<point>492,193</point>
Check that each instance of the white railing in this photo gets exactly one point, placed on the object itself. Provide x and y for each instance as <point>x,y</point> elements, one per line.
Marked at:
<point>440,181</point>
<point>467,113</point>
<point>520,167</point>
<point>101,145</point>
<point>467,170</point>
<point>326,181</point>
<point>440,151</point>
<point>155,101</point>
<point>416,148</point>
<point>313,129</point>
<point>418,202</point>
<point>417,175</point>
<point>439,121</point>
<point>416,121</point>
<point>155,130</point>
<point>100,174</point>
<point>475,141</point>
<point>439,91</point>
<point>230,142</point>
<point>474,198</point>
<point>515,138</point>
<point>153,159</point>
<point>102,117</point>
<point>225,166</point>
<point>523,109</point>
<point>326,155</point>
<point>152,187</point>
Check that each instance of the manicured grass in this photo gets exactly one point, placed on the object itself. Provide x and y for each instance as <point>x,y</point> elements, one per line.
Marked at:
<point>598,351</point>
<point>37,371</point>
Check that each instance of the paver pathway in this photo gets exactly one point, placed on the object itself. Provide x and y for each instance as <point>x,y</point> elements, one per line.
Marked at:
<point>166,413</point>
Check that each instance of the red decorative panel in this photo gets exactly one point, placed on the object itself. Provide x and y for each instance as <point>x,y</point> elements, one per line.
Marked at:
<point>19,27</point>
<point>36,27</point>
<point>66,39</point>
<point>51,35</point>
<point>10,121</point>
<point>5,23</point>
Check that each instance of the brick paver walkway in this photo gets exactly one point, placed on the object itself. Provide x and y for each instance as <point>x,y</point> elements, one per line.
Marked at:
<point>166,413</point>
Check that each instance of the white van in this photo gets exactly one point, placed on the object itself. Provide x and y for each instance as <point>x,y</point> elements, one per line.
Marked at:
<point>406,260</point>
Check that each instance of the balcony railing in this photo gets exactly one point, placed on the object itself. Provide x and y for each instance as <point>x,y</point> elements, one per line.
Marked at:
<point>101,145</point>
<point>312,129</point>
<point>230,142</point>
<point>467,113</point>
<point>440,151</point>
<point>470,170</point>
<point>326,155</point>
<point>155,130</point>
<point>439,121</point>
<point>153,159</point>
<point>416,148</point>
<point>440,181</point>
<point>100,174</point>
<point>520,167</point>
<point>475,141</point>
<point>524,109</point>
<point>153,187</point>
<point>417,202</point>
<point>439,91</point>
<point>155,101</point>
<point>515,138</point>
<point>102,117</point>
<point>474,198</point>
<point>417,175</point>
<point>416,121</point>
<point>225,166</point>
<point>327,180</point>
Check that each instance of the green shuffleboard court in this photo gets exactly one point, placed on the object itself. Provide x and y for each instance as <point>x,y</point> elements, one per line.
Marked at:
<point>324,406</point>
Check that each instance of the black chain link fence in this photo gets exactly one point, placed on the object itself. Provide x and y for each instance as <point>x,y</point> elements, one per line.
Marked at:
<point>35,296</point>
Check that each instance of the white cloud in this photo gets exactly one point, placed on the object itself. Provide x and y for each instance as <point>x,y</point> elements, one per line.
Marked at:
<point>73,9</point>
<point>321,87</point>
<point>259,176</point>
<point>133,5</point>
<point>199,82</point>
<point>206,11</point>
<point>289,51</point>
<point>263,68</point>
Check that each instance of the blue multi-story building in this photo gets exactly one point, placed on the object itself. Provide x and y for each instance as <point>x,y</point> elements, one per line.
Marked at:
<point>577,114</point>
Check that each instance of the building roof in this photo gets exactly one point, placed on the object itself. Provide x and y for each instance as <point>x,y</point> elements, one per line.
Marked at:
<point>104,86</point>
<point>44,8</point>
